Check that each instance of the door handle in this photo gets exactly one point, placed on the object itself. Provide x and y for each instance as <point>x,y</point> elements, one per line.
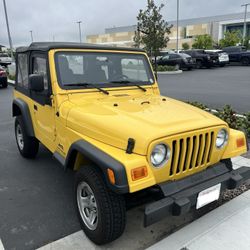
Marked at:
<point>35,107</point>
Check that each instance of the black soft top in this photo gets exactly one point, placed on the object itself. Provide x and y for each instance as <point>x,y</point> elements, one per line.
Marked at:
<point>46,46</point>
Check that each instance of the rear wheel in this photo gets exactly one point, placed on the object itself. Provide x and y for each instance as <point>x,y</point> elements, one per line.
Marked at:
<point>245,61</point>
<point>198,64</point>
<point>5,84</point>
<point>101,212</point>
<point>28,146</point>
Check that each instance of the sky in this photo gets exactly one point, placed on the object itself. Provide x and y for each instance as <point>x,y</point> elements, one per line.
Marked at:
<point>56,19</point>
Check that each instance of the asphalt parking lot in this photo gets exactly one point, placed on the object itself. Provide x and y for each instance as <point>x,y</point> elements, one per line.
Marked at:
<point>36,195</point>
<point>214,87</point>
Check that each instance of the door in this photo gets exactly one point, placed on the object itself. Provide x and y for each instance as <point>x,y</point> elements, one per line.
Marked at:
<point>43,108</point>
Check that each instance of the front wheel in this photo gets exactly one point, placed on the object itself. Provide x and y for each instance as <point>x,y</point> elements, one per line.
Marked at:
<point>101,212</point>
<point>245,61</point>
<point>28,146</point>
<point>5,84</point>
<point>198,64</point>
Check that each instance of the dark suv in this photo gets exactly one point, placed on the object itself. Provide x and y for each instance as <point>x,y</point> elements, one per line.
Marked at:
<point>3,77</point>
<point>238,54</point>
<point>201,57</point>
<point>183,61</point>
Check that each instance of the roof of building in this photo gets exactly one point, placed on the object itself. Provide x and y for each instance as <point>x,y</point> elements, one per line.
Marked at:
<point>185,22</point>
<point>46,46</point>
<point>211,19</point>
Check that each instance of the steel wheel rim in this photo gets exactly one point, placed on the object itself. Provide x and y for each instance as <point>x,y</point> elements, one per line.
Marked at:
<point>19,137</point>
<point>87,205</point>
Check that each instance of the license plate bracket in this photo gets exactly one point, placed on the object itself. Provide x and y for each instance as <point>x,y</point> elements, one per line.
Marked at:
<point>208,195</point>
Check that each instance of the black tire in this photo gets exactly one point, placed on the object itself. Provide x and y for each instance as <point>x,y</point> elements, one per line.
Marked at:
<point>245,61</point>
<point>111,209</point>
<point>198,64</point>
<point>5,84</point>
<point>30,146</point>
<point>228,163</point>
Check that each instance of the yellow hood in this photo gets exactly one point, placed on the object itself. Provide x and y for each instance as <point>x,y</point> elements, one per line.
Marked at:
<point>113,120</point>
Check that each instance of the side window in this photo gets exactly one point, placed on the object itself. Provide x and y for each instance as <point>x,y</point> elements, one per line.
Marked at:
<point>166,57</point>
<point>134,69</point>
<point>23,75</point>
<point>76,64</point>
<point>173,56</point>
<point>40,67</point>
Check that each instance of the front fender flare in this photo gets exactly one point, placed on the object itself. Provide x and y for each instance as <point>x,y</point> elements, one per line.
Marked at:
<point>103,161</point>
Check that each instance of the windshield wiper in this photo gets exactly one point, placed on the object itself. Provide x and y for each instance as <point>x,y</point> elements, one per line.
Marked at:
<point>127,82</point>
<point>85,84</point>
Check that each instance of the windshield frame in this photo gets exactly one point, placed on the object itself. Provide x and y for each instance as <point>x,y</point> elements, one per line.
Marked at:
<point>148,68</point>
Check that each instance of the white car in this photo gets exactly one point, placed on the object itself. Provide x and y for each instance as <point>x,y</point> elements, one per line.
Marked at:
<point>5,59</point>
<point>223,57</point>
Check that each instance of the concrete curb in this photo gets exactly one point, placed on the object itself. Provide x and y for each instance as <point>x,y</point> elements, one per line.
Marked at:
<point>11,82</point>
<point>1,245</point>
<point>170,72</point>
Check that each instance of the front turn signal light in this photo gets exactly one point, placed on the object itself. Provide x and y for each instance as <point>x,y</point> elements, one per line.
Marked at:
<point>111,176</point>
<point>240,142</point>
<point>139,173</point>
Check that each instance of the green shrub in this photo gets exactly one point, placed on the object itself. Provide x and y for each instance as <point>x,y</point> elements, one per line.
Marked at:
<point>198,105</point>
<point>227,114</point>
<point>162,68</point>
<point>11,77</point>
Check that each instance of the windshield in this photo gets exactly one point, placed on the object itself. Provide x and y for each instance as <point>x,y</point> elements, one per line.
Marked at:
<point>81,69</point>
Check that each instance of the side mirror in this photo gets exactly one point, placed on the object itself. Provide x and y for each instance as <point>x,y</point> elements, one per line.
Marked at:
<point>36,82</point>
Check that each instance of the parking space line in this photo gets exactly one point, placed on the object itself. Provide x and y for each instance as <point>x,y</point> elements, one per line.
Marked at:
<point>76,241</point>
<point>1,245</point>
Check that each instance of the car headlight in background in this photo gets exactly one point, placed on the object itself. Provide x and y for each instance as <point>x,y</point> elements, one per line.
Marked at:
<point>160,155</point>
<point>222,138</point>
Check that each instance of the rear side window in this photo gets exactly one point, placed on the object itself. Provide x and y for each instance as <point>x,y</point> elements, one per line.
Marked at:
<point>40,67</point>
<point>23,74</point>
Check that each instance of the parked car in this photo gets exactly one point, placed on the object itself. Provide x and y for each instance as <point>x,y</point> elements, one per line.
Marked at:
<point>183,61</point>
<point>5,59</point>
<point>219,57</point>
<point>202,59</point>
<point>3,78</point>
<point>109,124</point>
<point>238,54</point>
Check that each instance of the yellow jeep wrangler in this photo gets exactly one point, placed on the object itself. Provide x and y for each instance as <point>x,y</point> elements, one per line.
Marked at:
<point>99,111</point>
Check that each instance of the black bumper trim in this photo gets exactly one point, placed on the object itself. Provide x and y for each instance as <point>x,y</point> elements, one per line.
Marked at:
<point>181,195</point>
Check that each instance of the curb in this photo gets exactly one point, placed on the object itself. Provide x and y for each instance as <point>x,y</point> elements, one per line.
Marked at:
<point>11,82</point>
<point>170,72</point>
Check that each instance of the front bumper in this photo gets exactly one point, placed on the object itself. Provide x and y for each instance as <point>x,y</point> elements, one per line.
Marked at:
<point>181,195</point>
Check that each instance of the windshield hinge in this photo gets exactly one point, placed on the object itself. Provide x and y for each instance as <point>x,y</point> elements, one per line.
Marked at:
<point>130,146</point>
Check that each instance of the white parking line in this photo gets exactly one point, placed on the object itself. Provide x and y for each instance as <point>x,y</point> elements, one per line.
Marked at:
<point>1,245</point>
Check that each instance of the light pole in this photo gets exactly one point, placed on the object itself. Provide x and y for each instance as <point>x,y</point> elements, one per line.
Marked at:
<point>80,31</point>
<point>245,21</point>
<point>177,38</point>
<point>31,35</point>
<point>8,29</point>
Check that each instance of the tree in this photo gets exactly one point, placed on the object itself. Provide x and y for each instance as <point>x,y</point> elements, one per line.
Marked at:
<point>246,43</point>
<point>231,38</point>
<point>203,42</point>
<point>152,30</point>
<point>185,46</point>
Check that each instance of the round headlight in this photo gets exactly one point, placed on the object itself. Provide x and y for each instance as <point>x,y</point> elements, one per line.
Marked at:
<point>160,155</point>
<point>222,138</point>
